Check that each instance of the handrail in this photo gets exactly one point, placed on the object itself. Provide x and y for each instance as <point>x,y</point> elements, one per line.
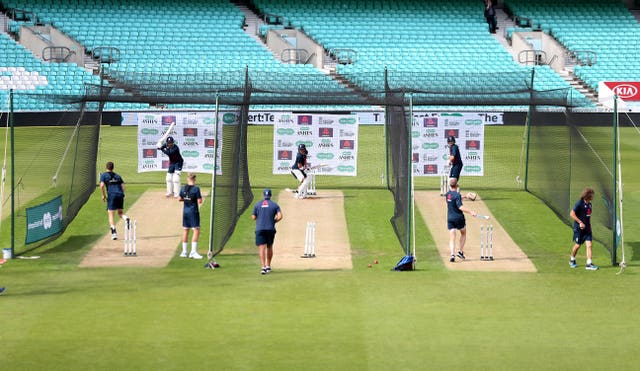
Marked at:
<point>21,15</point>
<point>105,54</point>
<point>309,58</point>
<point>273,19</point>
<point>584,57</point>
<point>57,53</point>
<point>536,57</point>
<point>344,55</point>
<point>294,55</point>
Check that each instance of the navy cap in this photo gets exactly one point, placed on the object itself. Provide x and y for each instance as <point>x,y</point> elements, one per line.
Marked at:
<point>302,146</point>
<point>266,193</point>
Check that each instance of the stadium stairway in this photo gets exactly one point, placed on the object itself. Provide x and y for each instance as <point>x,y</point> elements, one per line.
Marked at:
<point>4,23</point>
<point>254,22</point>
<point>504,23</point>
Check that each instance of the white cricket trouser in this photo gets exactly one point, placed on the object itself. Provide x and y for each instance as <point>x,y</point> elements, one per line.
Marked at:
<point>304,182</point>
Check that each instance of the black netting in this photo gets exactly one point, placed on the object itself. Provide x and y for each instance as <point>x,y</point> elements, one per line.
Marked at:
<point>566,153</point>
<point>53,157</point>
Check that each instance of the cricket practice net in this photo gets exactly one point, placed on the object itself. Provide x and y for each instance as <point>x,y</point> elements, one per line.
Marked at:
<point>568,152</point>
<point>52,171</point>
<point>384,157</point>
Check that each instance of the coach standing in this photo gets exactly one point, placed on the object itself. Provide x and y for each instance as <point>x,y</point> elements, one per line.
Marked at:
<point>266,213</point>
<point>191,196</point>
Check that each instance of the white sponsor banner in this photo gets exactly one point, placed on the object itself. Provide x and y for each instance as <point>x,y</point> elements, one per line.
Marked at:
<point>331,140</point>
<point>378,118</point>
<point>429,133</point>
<point>194,133</point>
<point>364,118</point>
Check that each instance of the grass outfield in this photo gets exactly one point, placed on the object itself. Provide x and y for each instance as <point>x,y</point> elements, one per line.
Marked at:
<point>59,316</point>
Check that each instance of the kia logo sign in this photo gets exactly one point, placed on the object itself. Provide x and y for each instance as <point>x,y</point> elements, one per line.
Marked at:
<point>625,91</point>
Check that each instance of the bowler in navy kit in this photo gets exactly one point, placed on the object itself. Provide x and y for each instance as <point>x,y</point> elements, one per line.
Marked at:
<point>112,188</point>
<point>266,213</point>
<point>171,149</point>
<point>581,215</point>
<point>192,198</point>
<point>456,220</point>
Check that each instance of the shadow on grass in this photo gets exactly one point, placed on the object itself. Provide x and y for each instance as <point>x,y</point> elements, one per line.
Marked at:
<point>74,244</point>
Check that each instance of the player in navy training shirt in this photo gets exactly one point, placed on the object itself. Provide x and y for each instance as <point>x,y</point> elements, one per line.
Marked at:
<point>581,215</point>
<point>455,219</point>
<point>192,198</point>
<point>266,213</point>
<point>298,169</point>
<point>112,188</point>
<point>176,162</point>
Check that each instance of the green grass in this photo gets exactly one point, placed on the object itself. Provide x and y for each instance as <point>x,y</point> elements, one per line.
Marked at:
<point>60,316</point>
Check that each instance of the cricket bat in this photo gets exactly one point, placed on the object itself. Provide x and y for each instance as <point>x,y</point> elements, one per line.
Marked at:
<point>166,134</point>
<point>318,166</point>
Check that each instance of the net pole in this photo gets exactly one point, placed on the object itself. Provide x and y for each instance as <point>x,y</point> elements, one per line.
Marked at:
<point>412,217</point>
<point>528,129</point>
<point>614,260</point>
<point>213,179</point>
<point>619,223</point>
<point>409,123</point>
<point>4,164</point>
<point>13,176</point>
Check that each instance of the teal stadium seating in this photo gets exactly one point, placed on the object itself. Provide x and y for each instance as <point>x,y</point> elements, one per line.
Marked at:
<point>201,40</point>
<point>24,73</point>
<point>604,27</point>
<point>435,46</point>
<point>431,46</point>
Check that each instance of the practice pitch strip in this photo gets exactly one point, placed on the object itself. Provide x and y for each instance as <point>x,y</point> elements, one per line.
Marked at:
<point>158,233</point>
<point>507,256</point>
<point>326,211</point>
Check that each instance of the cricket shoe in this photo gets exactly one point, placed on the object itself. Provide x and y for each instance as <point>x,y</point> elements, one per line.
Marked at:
<point>114,235</point>
<point>452,259</point>
<point>573,264</point>
<point>168,195</point>
<point>2,290</point>
<point>268,269</point>
<point>263,271</point>
<point>195,255</point>
<point>591,267</point>
<point>461,255</point>
<point>184,254</point>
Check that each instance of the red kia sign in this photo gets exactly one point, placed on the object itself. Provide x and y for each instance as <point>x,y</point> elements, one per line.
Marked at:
<point>628,91</point>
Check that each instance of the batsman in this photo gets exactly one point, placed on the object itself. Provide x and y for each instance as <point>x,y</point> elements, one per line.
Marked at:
<point>298,170</point>
<point>171,149</point>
